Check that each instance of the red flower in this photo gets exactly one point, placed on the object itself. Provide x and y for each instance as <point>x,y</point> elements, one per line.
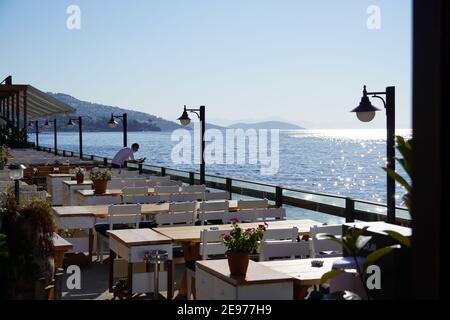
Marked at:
<point>226,237</point>
<point>234,220</point>
<point>262,227</point>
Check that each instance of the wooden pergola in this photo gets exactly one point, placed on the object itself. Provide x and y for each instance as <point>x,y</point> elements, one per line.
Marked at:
<point>21,102</point>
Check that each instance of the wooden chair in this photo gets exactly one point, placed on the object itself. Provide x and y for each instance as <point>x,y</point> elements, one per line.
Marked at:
<point>213,211</point>
<point>322,247</point>
<point>119,217</point>
<point>241,216</point>
<point>186,197</point>
<point>179,214</point>
<point>253,204</point>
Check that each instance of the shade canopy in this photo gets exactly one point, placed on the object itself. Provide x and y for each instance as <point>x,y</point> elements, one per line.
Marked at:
<point>38,103</point>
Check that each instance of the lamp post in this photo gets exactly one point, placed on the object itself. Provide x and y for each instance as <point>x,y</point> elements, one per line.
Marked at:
<point>36,126</point>
<point>112,123</point>
<point>185,120</point>
<point>366,112</point>
<point>47,126</point>
<point>16,173</point>
<point>70,124</point>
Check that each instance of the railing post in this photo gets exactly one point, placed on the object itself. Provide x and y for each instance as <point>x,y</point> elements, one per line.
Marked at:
<point>349,210</point>
<point>279,196</point>
<point>64,153</point>
<point>163,171</point>
<point>140,168</point>
<point>229,186</point>
<point>105,162</point>
<point>92,157</point>
<point>125,164</point>
<point>191,178</point>
<point>71,153</point>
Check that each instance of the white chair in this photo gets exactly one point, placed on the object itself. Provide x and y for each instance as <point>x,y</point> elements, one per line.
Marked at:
<point>159,178</point>
<point>271,214</point>
<point>222,195</point>
<point>186,197</point>
<point>290,234</point>
<point>165,191</point>
<point>136,182</point>
<point>116,183</point>
<point>213,211</point>
<point>129,192</point>
<point>283,249</point>
<point>211,246</point>
<point>241,216</point>
<point>141,199</point>
<point>102,200</point>
<point>179,214</point>
<point>123,214</point>
<point>169,183</point>
<point>253,204</point>
<point>321,246</point>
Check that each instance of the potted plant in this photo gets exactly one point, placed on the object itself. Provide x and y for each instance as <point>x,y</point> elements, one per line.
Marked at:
<point>100,180</point>
<point>241,243</point>
<point>79,174</point>
<point>26,250</point>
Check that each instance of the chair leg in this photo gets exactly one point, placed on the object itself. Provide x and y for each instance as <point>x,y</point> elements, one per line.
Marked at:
<point>189,283</point>
<point>98,246</point>
<point>101,251</point>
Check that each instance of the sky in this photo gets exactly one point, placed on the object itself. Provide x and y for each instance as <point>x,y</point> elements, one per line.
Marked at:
<point>302,61</point>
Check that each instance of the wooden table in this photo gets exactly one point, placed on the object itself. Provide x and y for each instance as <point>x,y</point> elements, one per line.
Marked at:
<point>214,282</point>
<point>188,234</point>
<point>85,217</point>
<point>132,245</point>
<point>302,272</point>
<point>61,246</point>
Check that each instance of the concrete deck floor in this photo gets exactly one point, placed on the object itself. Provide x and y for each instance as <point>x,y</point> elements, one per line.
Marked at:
<point>95,281</point>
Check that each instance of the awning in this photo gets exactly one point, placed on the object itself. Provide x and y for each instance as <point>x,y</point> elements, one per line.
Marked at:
<point>39,104</point>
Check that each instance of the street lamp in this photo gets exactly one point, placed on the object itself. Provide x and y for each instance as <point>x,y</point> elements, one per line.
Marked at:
<point>70,125</point>
<point>112,123</point>
<point>16,173</point>
<point>185,120</point>
<point>366,113</point>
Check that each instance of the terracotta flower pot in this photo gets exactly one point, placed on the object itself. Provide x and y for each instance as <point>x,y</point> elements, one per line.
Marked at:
<point>99,186</point>
<point>80,179</point>
<point>238,263</point>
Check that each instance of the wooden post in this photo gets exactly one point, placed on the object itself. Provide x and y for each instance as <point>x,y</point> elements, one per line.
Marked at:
<point>349,210</point>
<point>229,186</point>
<point>279,196</point>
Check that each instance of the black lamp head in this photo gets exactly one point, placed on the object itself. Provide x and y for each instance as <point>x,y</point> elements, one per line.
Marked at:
<point>112,122</point>
<point>70,124</point>
<point>365,111</point>
<point>184,119</point>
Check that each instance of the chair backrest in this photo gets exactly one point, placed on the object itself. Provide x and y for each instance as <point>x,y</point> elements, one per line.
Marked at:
<point>179,214</point>
<point>211,243</point>
<point>192,189</point>
<point>136,182</point>
<point>212,210</point>
<point>222,195</point>
<point>140,199</point>
<point>281,234</point>
<point>185,197</point>
<point>169,183</point>
<point>252,204</point>
<point>135,191</point>
<point>320,245</point>
<point>99,200</point>
<point>241,216</point>
<point>124,213</point>
<point>116,183</point>
<point>283,249</point>
<point>167,189</point>
<point>271,214</point>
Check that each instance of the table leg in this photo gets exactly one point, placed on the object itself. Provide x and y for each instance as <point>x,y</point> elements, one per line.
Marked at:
<point>191,252</point>
<point>170,273</point>
<point>130,281</point>
<point>91,244</point>
<point>112,257</point>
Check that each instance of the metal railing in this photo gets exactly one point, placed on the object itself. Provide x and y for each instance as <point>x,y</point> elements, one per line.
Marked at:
<point>339,206</point>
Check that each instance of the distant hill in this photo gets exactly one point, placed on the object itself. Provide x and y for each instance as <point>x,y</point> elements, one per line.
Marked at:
<point>266,125</point>
<point>97,116</point>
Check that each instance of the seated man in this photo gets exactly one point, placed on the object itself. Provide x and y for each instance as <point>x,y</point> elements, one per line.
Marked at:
<point>126,154</point>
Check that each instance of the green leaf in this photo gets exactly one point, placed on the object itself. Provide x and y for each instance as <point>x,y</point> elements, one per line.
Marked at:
<point>400,238</point>
<point>394,175</point>
<point>330,274</point>
<point>374,256</point>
